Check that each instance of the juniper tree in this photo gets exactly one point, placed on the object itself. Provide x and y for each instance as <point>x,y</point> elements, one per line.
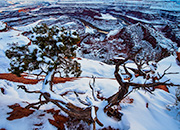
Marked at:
<point>52,50</point>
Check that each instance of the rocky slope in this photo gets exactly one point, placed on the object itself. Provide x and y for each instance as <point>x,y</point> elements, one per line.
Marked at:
<point>123,42</point>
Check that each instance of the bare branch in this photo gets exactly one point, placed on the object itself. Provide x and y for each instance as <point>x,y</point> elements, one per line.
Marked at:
<point>137,85</point>
<point>25,89</point>
<point>81,101</point>
<point>139,67</point>
<point>172,73</point>
<point>92,88</point>
<point>164,73</point>
<point>40,103</point>
<point>127,72</point>
<point>116,72</point>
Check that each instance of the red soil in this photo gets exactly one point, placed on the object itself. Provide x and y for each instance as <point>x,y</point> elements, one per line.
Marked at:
<point>178,56</point>
<point>127,100</point>
<point>58,120</point>
<point>163,87</point>
<point>22,79</point>
<point>18,112</point>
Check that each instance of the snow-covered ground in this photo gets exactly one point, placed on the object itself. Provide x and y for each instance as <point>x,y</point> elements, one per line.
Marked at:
<point>136,116</point>
<point>156,116</point>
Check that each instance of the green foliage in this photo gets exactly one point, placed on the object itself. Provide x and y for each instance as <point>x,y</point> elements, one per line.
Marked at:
<point>51,46</point>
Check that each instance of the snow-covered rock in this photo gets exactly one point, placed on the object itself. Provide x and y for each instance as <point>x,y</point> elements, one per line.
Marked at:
<point>2,26</point>
<point>121,42</point>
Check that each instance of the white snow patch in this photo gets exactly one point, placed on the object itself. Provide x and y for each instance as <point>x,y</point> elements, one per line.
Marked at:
<point>112,33</point>
<point>156,116</point>
<point>96,68</point>
<point>2,25</point>
<point>59,44</point>
<point>106,16</point>
<point>89,30</point>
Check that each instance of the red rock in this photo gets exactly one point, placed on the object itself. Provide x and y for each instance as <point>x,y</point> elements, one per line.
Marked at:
<point>163,87</point>
<point>18,112</point>
<point>178,56</point>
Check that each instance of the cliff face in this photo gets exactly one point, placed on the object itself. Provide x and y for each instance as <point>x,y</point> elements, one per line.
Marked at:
<point>125,41</point>
<point>172,32</point>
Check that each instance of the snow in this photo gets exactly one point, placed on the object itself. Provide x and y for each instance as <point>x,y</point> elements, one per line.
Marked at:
<point>93,115</point>
<point>59,44</point>
<point>156,116</point>
<point>69,23</point>
<point>174,67</point>
<point>29,26</point>
<point>2,25</point>
<point>179,49</point>
<point>89,30</point>
<point>106,16</point>
<point>12,36</point>
<point>96,68</point>
<point>110,121</point>
<point>32,48</point>
<point>113,33</point>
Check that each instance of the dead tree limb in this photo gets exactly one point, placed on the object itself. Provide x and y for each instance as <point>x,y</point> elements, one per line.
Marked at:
<point>25,89</point>
<point>72,110</point>
<point>117,97</point>
<point>124,85</point>
<point>86,113</point>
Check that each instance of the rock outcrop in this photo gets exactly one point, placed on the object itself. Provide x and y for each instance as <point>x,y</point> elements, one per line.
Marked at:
<point>123,42</point>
